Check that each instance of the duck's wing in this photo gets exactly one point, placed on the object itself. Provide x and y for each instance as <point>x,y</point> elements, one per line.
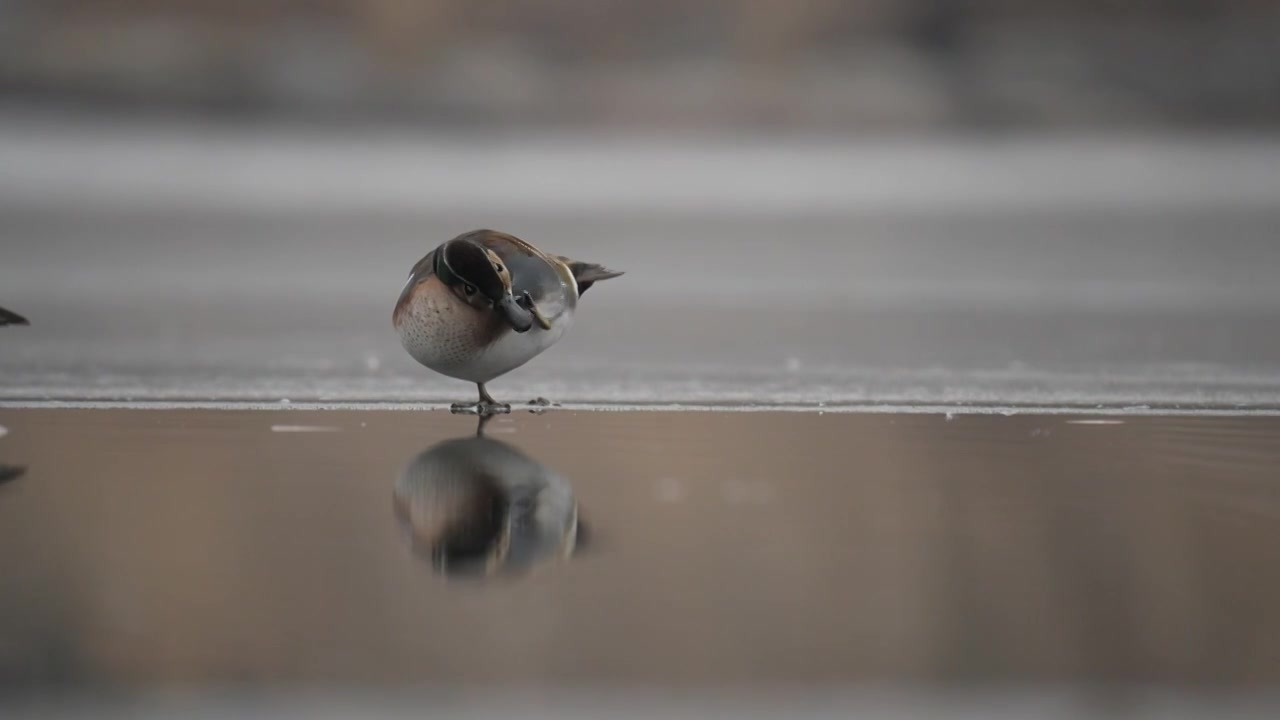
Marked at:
<point>532,270</point>
<point>498,241</point>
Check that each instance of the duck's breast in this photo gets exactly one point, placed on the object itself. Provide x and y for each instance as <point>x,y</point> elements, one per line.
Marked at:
<point>444,333</point>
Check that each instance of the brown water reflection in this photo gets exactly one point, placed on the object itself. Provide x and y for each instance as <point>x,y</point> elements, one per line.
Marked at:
<point>148,548</point>
<point>478,506</point>
<point>10,472</point>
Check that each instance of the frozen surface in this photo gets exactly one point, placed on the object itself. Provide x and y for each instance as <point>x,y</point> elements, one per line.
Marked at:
<point>182,263</point>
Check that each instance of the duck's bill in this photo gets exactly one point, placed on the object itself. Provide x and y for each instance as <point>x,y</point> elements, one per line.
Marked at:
<point>518,317</point>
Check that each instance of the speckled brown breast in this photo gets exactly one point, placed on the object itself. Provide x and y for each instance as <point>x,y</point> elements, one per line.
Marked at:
<point>442,332</point>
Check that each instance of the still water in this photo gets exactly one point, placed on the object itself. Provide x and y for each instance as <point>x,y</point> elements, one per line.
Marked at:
<point>375,553</point>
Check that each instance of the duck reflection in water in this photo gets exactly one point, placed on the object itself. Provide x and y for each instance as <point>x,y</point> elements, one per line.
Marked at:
<point>10,472</point>
<point>476,506</point>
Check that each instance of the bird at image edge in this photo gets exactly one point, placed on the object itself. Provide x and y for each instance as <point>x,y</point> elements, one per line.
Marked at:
<point>485,303</point>
<point>8,317</point>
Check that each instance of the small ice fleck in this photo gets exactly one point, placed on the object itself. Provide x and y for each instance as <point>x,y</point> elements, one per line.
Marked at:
<point>363,424</point>
<point>793,364</point>
<point>951,416</point>
<point>305,428</point>
<point>3,431</point>
<point>284,401</point>
<point>1095,421</point>
<point>372,362</point>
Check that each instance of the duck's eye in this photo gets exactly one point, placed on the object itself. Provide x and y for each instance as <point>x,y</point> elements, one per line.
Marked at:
<point>497,267</point>
<point>469,289</point>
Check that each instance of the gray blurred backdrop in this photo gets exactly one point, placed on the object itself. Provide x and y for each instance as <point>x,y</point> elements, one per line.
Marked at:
<point>907,202</point>
<point>831,65</point>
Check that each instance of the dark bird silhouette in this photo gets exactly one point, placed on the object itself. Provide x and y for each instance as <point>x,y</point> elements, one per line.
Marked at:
<point>8,317</point>
<point>478,507</point>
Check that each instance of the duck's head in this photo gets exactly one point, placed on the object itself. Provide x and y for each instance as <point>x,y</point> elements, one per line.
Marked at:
<point>480,278</point>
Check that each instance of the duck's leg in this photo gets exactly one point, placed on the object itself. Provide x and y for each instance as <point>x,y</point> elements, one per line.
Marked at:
<point>486,406</point>
<point>487,401</point>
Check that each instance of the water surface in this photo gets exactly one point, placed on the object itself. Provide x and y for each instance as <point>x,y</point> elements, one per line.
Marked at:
<point>660,552</point>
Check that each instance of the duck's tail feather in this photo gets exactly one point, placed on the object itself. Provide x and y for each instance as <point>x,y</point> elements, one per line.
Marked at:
<point>587,274</point>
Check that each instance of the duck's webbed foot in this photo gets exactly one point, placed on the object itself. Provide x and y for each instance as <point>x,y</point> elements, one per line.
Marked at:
<point>485,407</point>
<point>482,409</point>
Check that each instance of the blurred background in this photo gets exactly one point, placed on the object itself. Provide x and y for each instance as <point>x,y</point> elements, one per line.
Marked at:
<point>813,65</point>
<point>874,201</point>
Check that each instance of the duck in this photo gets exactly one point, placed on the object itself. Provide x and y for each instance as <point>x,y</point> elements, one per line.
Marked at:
<point>485,303</point>
<point>8,317</point>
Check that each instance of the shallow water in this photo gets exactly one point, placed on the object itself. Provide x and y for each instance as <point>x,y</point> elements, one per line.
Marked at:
<point>374,553</point>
